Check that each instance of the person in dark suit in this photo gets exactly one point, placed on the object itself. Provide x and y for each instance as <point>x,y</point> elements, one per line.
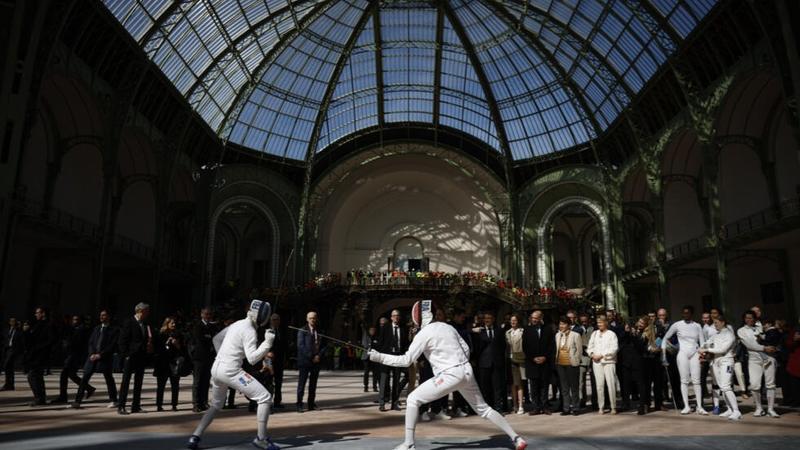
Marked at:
<point>13,348</point>
<point>38,345</point>
<point>203,354</point>
<point>491,361</point>
<point>277,357</point>
<point>369,340</point>
<point>310,347</point>
<point>169,357</point>
<point>135,345</point>
<point>538,343</point>
<point>74,341</point>
<point>101,347</point>
<point>392,340</point>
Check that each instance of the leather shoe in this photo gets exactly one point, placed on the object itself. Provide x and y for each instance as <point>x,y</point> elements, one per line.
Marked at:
<point>197,409</point>
<point>534,412</point>
<point>396,408</point>
<point>299,408</point>
<point>137,411</point>
<point>382,408</point>
<point>90,392</point>
<point>547,412</point>
<point>314,407</point>
<point>123,412</point>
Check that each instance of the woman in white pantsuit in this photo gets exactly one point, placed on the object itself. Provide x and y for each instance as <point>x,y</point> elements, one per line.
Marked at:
<point>602,348</point>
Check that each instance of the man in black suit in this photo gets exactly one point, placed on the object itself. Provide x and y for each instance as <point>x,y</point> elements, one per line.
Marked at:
<point>135,344</point>
<point>310,348</point>
<point>203,354</point>
<point>38,346</point>
<point>101,347</point>
<point>74,341</point>
<point>491,362</point>
<point>12,350</point>
<point>277,356</point>
<point>393,340</point>
<point>538,343</point>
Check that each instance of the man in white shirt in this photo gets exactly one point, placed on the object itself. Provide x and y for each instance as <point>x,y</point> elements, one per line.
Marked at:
<point>690,339</point>
<point>240,341</point>
<point>448,355</point>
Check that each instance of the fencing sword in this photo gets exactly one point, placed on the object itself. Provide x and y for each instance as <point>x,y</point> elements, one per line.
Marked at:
<point>671,388</point>
<point>338,341</point>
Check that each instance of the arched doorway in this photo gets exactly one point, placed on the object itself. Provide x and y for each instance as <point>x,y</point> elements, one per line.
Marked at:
<point>409,255</point>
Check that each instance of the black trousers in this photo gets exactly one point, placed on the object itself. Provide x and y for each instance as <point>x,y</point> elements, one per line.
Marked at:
<point>370,369</point>
<point>201,382</point>
<point>9,361</point>
<point>539,383</point>
<point>675,380</point>
<point>36,381</point>
<point>493,386</point>
<point>132,366</point>
<point>653,379</point>
<point>276,380</point>
<point>88,370</point>
<point>69,372</point>
<point>308,375</point>
<point>634,384</point>
<point>568,377</point>
<point>389,374</point>
<point>704,367</point>
<point>174,385</point>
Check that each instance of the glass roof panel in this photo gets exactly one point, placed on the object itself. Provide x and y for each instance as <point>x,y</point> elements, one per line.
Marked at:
<point>257,71</point>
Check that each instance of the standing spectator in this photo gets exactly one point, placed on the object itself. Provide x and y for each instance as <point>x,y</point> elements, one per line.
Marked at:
<point>569,349</point>
<point>13,349</point>
<point>370,341</point>
<point>793,367</point>
<point>277,358</point>
<point>102,343</point>
<point>170,362</point>
<point>662,325</point>
<point>649,351</point>
<point>602,348</point>
<point>517,362</point>
<point>707,325</point>
<point>74,344</point>
<point>586,363</point>
<point>393,340</point>
<point>633,350</point>
<point>491,362</point>
<point>38,345</point>
<point>309,350</point>
<point>761,362</point>
<point>135,345</point>
<point>538,343</point>
<point>203,354</point>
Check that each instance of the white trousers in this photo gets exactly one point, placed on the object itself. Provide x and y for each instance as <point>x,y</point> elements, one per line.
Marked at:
<point>758,366</point>
<point>689,367</point>
<point>224,377</point>
<point>459,379</point>
<point>723,375</point>
<point>605,375</point>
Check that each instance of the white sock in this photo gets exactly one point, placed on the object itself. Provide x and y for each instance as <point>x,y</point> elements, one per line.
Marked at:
<point>698,395</point>
<point>771,399</point>
<point>501,422</point>
<point>412,415</point>
<point>730,399</point>
<point>757,399</point>
<point>685,394</point>
<point>262,415</point>
<point>205,421</point>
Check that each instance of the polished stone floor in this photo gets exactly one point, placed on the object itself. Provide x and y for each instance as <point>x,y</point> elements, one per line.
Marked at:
<point>350,420</point>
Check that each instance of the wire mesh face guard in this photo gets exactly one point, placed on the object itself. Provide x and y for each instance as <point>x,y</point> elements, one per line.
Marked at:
<point>260,312</point>
<point>422,313</point>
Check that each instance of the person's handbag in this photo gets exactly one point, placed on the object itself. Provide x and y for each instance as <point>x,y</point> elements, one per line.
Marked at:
<point>180,367</point>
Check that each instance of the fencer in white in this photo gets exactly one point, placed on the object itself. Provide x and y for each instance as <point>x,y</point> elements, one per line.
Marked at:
<point>240,342</point>
<point>720,349</point>
<point>760,363</point>
<point>690,339</point>
<point>448,355</point>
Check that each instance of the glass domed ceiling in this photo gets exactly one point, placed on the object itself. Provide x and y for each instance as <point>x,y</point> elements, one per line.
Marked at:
<point>528,78</point>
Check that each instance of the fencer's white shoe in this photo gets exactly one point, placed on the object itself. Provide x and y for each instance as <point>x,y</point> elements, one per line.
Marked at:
<point>265,444</point>
<point>727,413</point>
<point>405,446</point>
<point>442,416</point>
<point>702,412</point>
<point>772,413</point>
<point>759,413</point>
<point>519,443</point>
<point>737,416</point>
<point>194,442</point>
<point>686,411</point>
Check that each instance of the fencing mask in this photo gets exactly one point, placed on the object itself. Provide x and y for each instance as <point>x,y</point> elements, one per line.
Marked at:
<point>259,313</point>
<point>423,313</point>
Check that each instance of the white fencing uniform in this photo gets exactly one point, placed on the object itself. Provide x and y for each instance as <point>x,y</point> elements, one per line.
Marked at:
<point>690,339</point>
<point>759,363</point>
<point>239,342</point>
<point>448,355</point>
<point>721,345</point>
